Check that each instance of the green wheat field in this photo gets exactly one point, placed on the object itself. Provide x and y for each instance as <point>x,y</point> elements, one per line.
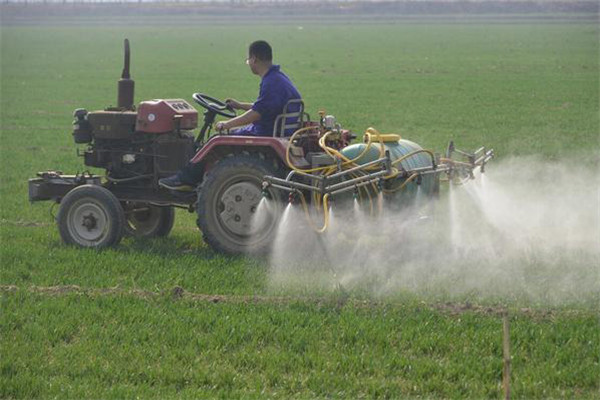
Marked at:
<point>172,318</point>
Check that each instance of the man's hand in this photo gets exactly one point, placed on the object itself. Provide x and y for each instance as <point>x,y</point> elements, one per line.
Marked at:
<point>233,103</point>
<point>220,126</point>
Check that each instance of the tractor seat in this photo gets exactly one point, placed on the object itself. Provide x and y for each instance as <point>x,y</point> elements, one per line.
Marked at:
<point>290,121</point>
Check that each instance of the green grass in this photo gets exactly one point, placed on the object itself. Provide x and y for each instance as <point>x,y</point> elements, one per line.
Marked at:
<point>117,346</point>
<point>524,89</point>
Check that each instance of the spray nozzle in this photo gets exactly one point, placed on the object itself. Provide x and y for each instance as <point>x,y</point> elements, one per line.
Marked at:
<point>419,179</point>
<point>292,197</point>
<point>265,193</point>
<point>355,193</point>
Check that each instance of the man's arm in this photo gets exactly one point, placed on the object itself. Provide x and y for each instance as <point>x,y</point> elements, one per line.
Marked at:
<point>246,118</point>
<point>238,105</point>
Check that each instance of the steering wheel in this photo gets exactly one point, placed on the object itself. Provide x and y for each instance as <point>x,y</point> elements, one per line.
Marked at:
<point>214,105</point>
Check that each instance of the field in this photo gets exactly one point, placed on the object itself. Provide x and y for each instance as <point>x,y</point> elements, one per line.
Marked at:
<point>170,317</point>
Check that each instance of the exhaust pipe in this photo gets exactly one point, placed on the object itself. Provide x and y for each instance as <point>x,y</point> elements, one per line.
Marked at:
<point>126,84</point>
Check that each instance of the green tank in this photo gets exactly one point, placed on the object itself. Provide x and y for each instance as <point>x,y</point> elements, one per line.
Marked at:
<point>424,186</point>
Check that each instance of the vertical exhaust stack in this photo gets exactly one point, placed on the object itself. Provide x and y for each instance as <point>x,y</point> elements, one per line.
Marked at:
<point>126,84</point>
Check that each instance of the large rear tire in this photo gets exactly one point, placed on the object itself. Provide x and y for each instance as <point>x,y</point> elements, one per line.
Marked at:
<point>90,216</point>
<point>147,220</point>
<point>228,202</point>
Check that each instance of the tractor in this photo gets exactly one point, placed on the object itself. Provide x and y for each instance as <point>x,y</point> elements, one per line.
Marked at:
<point>137,146</point>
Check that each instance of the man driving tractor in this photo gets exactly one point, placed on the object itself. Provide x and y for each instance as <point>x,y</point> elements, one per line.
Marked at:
<point>276,89</point>
<point>136,146</point>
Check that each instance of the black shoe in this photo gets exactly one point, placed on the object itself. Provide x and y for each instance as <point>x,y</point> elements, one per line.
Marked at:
<point>174,183</point>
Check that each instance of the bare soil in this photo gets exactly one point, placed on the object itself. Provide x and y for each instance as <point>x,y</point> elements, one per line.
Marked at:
<point>178,293</point>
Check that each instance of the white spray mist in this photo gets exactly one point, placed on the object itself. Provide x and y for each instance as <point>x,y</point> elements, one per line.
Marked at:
<point>526,231</point>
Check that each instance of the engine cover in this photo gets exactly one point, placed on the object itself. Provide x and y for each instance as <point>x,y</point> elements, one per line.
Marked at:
<point>112,124</point>
<point>161,116</point>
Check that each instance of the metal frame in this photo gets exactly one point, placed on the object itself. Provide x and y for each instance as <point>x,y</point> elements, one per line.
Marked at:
<point>280,126</point>
<point>335,183</point>
<point>331,184</point>
<point>53,185</point>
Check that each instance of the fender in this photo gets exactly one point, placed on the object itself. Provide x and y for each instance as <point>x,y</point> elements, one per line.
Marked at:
<point>278,145</point>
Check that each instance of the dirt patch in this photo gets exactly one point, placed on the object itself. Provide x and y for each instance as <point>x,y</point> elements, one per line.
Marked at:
<point>56,290</point>
<point>177,293</point>
<point>9,288</point>
<point>26,224</point>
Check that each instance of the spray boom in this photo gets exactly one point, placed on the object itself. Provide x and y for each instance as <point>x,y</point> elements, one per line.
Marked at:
<point>386,167</point>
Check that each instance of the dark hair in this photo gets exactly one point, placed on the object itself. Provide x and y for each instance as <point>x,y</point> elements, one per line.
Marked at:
<point>261,50</point>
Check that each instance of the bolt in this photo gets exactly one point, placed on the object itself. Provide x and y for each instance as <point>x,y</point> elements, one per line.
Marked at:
<point>237,218</point>
<point>253,209</point>
<point>238,198</point>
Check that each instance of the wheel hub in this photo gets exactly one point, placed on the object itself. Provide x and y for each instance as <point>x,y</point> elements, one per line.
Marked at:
<point>89,221</point>
<point>239,203</point>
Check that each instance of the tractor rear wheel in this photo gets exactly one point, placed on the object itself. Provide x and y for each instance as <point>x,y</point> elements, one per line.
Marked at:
<point>147,220</point>
<point>228,201</point>
<point>90,216</point>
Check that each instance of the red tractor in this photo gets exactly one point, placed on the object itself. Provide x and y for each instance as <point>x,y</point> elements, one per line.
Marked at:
<point>138,146</point>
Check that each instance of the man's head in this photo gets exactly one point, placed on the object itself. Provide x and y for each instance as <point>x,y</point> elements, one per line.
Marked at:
<point>260,57</point>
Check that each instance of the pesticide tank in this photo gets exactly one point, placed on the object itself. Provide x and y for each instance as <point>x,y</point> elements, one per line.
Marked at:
<point>424,186</point>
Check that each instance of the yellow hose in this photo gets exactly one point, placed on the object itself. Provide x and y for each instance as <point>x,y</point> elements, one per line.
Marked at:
<point>371,135</point>
<point>325,213</point>
<point>414,153</point>
<point>387,137</point>
<point>346,161</point>
<point>333,152</point>
<point>287,153</point>
<point>406,182</point>
<point>372,131</point>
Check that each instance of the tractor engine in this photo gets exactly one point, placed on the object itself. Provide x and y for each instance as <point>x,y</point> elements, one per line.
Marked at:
<point>130,144</point>
<point>154,141</point>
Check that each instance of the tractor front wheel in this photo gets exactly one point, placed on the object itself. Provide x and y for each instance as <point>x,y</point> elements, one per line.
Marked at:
<point>230,213</point>
<point>147,220</point>
<point>90,216</point>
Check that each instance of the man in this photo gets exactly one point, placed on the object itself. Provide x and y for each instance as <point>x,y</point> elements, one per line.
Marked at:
<point>276,89</point>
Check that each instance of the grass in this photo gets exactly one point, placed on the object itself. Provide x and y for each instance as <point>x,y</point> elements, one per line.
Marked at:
<point>524,89</point>
<point>120,346</point>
